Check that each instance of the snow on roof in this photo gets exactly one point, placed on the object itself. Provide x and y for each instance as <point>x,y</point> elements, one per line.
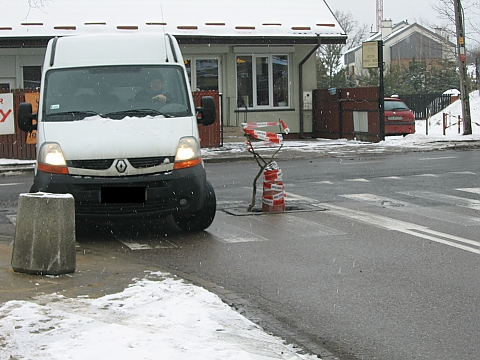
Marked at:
<point>285,18</point>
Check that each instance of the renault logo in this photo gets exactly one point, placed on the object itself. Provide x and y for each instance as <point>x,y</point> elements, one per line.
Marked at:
<point>121,166</point>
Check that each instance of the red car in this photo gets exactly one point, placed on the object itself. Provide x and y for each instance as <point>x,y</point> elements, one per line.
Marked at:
<point>399,119</point>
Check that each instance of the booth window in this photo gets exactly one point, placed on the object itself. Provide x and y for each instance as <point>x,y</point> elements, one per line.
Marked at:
<point>262,81</point>
<point>203,72</point>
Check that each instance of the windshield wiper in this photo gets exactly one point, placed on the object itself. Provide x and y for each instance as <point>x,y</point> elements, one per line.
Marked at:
<point>77,113</point>
<point>137,112</point>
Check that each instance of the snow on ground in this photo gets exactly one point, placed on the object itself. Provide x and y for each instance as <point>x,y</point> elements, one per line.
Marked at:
<point>159,317</point>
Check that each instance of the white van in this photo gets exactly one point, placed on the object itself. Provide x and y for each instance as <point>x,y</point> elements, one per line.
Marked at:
<point>110,137</point>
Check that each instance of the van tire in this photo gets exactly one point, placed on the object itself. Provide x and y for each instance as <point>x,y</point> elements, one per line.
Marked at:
<point>201,219</point>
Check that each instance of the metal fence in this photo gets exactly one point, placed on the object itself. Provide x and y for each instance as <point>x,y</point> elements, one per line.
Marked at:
<point>424,105</point>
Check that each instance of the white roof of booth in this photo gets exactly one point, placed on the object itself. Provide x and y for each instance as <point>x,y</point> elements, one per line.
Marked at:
<point>227,18</point>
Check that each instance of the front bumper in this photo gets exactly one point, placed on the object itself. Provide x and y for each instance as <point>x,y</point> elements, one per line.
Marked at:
<point>178,191</point>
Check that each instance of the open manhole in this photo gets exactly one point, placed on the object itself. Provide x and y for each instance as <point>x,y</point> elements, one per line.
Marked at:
<point>242,211</point>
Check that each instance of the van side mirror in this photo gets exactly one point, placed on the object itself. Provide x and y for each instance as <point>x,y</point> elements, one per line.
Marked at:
<point>25,117</point>
<point>207,113</point>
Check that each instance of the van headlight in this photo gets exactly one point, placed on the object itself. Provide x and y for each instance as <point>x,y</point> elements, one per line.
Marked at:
<point>51,159</point>
<point>188,153</point>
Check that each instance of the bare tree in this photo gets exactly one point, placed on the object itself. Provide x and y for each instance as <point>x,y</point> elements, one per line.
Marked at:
<point>445,12</point>
<point>356,32</point>
<point>330,56</point>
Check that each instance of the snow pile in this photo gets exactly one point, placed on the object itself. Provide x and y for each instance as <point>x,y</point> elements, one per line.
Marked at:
<point>157,317</point>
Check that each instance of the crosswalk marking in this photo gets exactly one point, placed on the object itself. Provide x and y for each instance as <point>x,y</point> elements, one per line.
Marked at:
<point>470,190</point>
<point>293,197</point>
<point>432,213</point>
<point>391,177</point>
<point>10,184</point>
<point>256,229</point>
<point>377,200</point>
<point>145,244</point>
<point>426,175</point>
<point>455,200</point>
<point>437,158</point>
<point>404,227</point>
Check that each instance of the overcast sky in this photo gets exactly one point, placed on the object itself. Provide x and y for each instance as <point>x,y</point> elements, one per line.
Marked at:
<point>364,11</point>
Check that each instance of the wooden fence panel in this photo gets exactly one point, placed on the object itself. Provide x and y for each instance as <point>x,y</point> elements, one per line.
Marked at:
<point>210,136</point>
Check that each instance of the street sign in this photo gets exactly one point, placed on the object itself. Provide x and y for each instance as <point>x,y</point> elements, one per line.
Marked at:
<point>7,122</point>
<point>370,54</point>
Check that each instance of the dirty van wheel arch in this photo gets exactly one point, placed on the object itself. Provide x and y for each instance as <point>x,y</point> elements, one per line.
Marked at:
<point>201,219</point>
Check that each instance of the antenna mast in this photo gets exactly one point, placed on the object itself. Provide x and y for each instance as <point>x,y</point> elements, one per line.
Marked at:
<point>379,16</point>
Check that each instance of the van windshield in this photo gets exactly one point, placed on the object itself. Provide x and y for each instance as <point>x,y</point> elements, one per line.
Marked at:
<point>115,92</point>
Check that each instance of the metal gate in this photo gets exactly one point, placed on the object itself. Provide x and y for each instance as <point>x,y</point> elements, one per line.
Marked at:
<point>349,113</point>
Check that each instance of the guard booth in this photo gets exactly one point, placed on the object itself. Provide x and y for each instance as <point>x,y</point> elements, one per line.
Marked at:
<point>348,113</point>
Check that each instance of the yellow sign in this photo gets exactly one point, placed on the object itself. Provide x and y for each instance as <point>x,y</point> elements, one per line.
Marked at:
<point>370,54</point>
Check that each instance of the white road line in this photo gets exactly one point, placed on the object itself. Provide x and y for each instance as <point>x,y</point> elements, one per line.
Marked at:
<point>404,227</point>
<point>377,200</point>
<point>145,244</point>
<point>431,213</point>
<point>358,180</point>
<point>470,190</point>
<point>230,239</point>
<point>437,158</point>
<point>229,236</point>
<point>293,197</point>
<point>10,184</point>
<point>463,173</point>
<point>450,199</point>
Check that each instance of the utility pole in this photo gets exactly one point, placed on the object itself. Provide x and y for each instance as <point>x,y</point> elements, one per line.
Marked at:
<point>462,58</point>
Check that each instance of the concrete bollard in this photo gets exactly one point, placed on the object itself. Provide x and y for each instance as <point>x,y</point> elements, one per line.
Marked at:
<point>45,234</point>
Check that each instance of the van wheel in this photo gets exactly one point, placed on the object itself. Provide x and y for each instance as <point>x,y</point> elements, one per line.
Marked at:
<point>201,219</point>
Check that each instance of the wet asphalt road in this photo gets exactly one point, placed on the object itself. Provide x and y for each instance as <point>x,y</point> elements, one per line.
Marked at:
<point>383,266</point>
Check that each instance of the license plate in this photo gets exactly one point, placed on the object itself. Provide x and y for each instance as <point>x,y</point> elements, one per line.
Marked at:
<point>395,118</point>
<point>123,195</point>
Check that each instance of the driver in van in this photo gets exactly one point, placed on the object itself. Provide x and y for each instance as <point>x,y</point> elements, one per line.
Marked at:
<point>153,92</point>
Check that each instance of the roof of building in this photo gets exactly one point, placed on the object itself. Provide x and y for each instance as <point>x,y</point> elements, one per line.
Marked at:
<point>186,19</point>
<point>397,30</point>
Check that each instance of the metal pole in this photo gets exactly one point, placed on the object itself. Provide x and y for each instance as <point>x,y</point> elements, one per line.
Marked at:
<point>300,86</point>
<point>464,93</point>
<point>381,90</point>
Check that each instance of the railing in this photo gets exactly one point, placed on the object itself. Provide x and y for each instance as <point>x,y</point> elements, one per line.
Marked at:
<point>425,105</point>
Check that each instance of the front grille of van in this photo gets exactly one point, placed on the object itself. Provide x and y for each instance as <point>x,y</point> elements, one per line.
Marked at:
<point>104,164</point>
<point>98,164</point>
<point>146,162</point>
